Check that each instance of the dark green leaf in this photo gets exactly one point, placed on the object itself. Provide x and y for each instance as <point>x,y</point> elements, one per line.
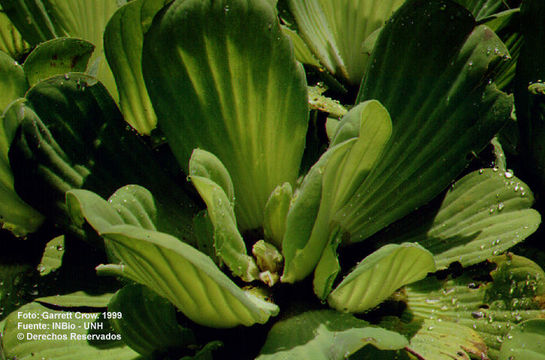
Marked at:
<point>11,41</point>
<point>430,69</point>
<point>146,321</point>
<point>52,256</point>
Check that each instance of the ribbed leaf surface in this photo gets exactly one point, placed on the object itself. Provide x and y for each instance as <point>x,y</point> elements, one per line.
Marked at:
<point>525,341</point>
<point>74,137</point>
<point>11,41</point>
<point>78,299</point>
<point>176,271</point>
<point>483,214</point>
<point>433,79</point>
<point>335,31</point>
<point>325,335</point>
<point>229,83</point>
<point>491,308</point>
<point>15,214</point>
<point>186,277</point>
<point>483,8</point>
<point>123,41</point>
<point>377,276</point>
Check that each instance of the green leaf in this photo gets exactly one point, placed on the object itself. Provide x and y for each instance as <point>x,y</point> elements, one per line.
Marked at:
<point>123,42</point>
<point>16,284</point>
<point>212,181</point>
<point>78,299</point>
<point>57,56</point>
<point>442,104</point>
<point>62,344</point>
<point>319,102</point>
<point>72,136</point>
<point>360,140</point>
<point>11,41</point>
<point>146,321</point>
<point>276,212</point>
<point>439,340</point>
<point>378,275</point>
<point>15,214</point>
<point>325,335</point>
<point>525,341</point>
<point>52,256</point>
<point>234,89</point>
<point>302,52</point>
<point>483,214</point>
<point>336,30</point>
<point>39,20</point>
<point>186,277</point>
<point>490,307</point>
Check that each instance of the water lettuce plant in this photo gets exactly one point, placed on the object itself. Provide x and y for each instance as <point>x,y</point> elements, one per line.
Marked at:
<point>169,155</point>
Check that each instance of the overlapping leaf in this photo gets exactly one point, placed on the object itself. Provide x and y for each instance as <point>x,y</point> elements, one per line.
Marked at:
<point>360,140</point>
<point>71,135</point>
<point>377,276</point>
<point>52,256</point>
<point>15,214</point>
<point>483,214</point>
<point>146,321</point>
<point>62,344</point>
<point>186,277</point>
<point>40,20</point>
<point>525,341</point>
<point>11,41</point>
<point>483,8</point>
<point>229,83</point>
<point>435,82</point>
<point>57,56</point>
<point>78,299</point>
<point>336,30</point>
<point>492,308</point>
<point>325,335</point>
<point>212,181</point>
<point>123,41</point>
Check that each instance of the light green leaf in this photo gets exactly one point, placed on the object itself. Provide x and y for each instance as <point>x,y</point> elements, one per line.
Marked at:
<point>62,344</point>
<point>276,212</point>
<point>302,52</point>
<point>380,274</point>
<point>228,83</point>
<point>15,214</point>
<point>207,165</point>
<point>319,102</point>
<point>228,243</point>
<point>483,214</point>
<point>77,299</point>
<point>204,235</point>
<point>11,41</point>
<point>325,335</point>
<point>72,136</point>
<point>57,56</point>
<point>123,41</point>
<point>491,308</point>
<point>52,256</point>
<point>436,84</point>
<point>360,140</point>
<point>526,341</point>
<point>186,277</point>
<point>336,30</point>
<point>131,204</point>
<point>440,340</point>
<point>213,182</point>
<point>146,321</point>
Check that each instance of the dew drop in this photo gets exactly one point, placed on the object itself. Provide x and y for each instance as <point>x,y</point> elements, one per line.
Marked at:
<point>501,206</point>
